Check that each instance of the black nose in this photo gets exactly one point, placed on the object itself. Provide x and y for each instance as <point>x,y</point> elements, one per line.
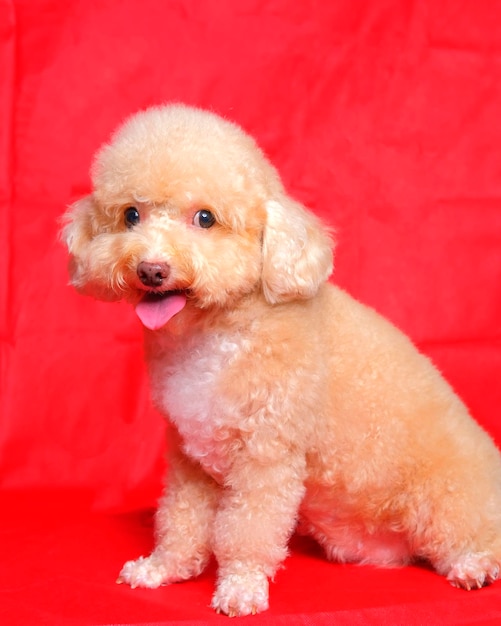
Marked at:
<point>152,274</point>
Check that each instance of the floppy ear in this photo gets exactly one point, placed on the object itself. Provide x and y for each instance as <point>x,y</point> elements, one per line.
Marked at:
<point>77,225</point>
<point>88,274</point>
<point>297,252</point>
<point>78,234</point>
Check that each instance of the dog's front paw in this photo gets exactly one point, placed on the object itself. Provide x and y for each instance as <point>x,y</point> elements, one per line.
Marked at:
<point>473,571</point>
<point>149,572</point>
<point>241,594</point>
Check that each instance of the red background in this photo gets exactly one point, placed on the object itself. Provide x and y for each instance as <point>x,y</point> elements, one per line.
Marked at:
<point>383,116</point>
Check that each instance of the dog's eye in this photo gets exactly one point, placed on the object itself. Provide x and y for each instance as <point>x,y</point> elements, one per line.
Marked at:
<point>204,219</point>
<point>131,216</point>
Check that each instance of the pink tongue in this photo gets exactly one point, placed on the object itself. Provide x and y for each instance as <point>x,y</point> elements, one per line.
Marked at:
<point>155,312</point>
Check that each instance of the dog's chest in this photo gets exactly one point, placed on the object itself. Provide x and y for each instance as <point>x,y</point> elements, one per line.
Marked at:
<point>185,386</point>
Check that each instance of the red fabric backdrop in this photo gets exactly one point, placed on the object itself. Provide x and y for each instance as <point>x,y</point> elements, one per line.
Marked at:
<point>384,117</point>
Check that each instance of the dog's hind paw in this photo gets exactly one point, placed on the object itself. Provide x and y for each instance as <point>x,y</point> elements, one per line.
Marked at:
<point>241,594</point>
<point>473,571</point>
<point>147,572</point>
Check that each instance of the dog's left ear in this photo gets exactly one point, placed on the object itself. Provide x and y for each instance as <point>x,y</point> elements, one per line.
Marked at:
<point>297,252</point>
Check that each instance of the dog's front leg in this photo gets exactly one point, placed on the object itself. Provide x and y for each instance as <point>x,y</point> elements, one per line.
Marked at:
<point>183,528</point>
<point>255,520</point>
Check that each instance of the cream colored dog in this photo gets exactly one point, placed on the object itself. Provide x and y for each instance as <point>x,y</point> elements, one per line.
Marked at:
<point>292,404</point>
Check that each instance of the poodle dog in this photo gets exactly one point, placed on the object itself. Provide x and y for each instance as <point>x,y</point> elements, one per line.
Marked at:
<point>291,404</point>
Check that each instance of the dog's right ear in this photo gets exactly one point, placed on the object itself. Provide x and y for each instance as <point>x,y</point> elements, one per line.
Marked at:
<point>77,224</point>
<point>77,233</point>
<point>81,234</point>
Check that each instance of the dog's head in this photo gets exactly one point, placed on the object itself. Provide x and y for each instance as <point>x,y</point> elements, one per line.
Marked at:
<point>186,206</point>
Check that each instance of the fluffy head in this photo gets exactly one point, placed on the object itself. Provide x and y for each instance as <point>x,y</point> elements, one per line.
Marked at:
<point>183,190</point>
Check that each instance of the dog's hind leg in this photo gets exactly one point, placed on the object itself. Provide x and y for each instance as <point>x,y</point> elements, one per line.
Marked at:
<point>457,527</point>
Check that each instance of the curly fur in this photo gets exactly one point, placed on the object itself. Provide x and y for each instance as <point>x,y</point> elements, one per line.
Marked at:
<point>292,404</point>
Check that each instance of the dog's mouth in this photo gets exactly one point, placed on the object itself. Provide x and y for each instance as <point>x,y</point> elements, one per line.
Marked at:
<point>155,309</point>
